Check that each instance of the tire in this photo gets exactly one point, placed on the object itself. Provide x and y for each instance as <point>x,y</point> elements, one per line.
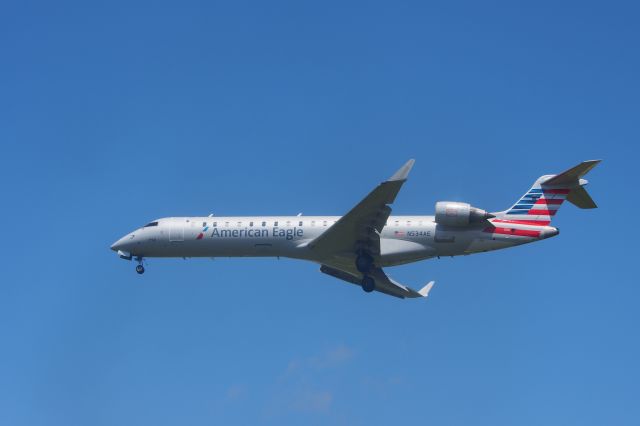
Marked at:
<point>368,284</point>
<point>140,269</point>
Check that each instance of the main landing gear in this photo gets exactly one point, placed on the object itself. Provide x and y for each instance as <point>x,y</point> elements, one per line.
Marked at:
<point>140,267</point>
<point>364,264</point>
<point>368,284</point>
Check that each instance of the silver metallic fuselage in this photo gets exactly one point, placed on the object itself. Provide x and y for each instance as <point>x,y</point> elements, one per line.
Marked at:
<point>404,239</point>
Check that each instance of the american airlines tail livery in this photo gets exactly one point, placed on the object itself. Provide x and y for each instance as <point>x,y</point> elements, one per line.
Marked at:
<point>357,246</point>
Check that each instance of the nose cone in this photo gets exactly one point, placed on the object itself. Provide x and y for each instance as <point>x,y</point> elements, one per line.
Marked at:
<point>120,244</point>
<point>116,246</point>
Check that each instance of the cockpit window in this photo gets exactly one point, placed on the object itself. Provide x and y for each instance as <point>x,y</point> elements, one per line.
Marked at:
<point>150,224</point>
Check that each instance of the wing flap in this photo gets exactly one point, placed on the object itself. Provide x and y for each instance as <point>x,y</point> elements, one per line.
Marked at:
<point>384,284</point>
<point>387,285</point>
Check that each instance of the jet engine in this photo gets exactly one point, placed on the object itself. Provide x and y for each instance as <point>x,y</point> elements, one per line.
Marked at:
<point>452,213</point>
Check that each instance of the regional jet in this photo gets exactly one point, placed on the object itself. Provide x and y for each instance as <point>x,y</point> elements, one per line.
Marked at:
<point>357,246</point>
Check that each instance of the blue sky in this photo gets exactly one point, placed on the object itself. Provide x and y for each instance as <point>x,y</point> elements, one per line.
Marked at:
<point>116,113</point>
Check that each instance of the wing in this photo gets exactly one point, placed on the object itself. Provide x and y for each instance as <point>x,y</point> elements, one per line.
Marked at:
<point>384,284</point>
<point>359,229</point>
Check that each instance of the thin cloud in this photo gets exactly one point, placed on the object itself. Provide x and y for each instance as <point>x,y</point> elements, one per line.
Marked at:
<point>303,386</point>
<point>331,358</point>
<point>311,400</point>
<point>235,392</point>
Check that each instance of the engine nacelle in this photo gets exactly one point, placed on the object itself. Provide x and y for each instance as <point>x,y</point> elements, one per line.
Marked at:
<point>452,213</point>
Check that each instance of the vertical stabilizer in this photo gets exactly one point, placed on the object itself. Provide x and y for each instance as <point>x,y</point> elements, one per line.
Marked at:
<point>541,203</point>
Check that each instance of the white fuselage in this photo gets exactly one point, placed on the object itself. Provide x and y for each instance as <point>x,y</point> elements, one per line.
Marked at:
<point>404,239</point>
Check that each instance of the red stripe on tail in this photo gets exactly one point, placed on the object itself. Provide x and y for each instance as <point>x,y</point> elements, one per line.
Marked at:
<point>512,231</point>
<point>542,212</point>
<point>549,201</point>
<point>524,222</point>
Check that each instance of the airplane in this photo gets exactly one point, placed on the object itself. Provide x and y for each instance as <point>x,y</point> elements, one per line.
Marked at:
<point>357,246</point>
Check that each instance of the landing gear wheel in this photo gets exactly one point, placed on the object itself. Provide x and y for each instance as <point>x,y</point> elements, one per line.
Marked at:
<point>368,284</point>
<point>140,269</point>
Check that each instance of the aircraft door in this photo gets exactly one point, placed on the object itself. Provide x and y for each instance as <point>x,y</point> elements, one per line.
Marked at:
<point>176,232</point>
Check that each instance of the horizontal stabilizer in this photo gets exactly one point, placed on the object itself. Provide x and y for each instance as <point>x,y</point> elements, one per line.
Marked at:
<point>573,175</point>
<point>572,178</point>
<point>581,198</point>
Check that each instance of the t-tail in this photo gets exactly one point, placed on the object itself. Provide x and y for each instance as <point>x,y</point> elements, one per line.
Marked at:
<point>542,201</point>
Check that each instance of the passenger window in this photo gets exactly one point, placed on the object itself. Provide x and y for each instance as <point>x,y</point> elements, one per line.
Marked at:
<point>408,223</point>
<point>264,223</point>
<point>313,223</point>
<point>300,223</point>
<point>239,224</point>
<point>226,224</point>
<point>215,224</point>
<point>204,224</point>
<point>288,223</point>
<point>275,223</point>
<point>397,223</point>
<point>250,223</point>
<point>324,223</point>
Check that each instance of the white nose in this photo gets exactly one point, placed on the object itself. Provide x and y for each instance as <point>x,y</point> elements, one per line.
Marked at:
<point>121,243</point>
<point>117,245</point>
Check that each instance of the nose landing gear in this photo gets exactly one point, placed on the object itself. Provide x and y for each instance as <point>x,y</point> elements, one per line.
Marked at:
<point>140,267</point>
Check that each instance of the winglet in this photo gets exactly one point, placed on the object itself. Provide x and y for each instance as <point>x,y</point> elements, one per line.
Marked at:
<point>424,291</point>
<point>403,171</point>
